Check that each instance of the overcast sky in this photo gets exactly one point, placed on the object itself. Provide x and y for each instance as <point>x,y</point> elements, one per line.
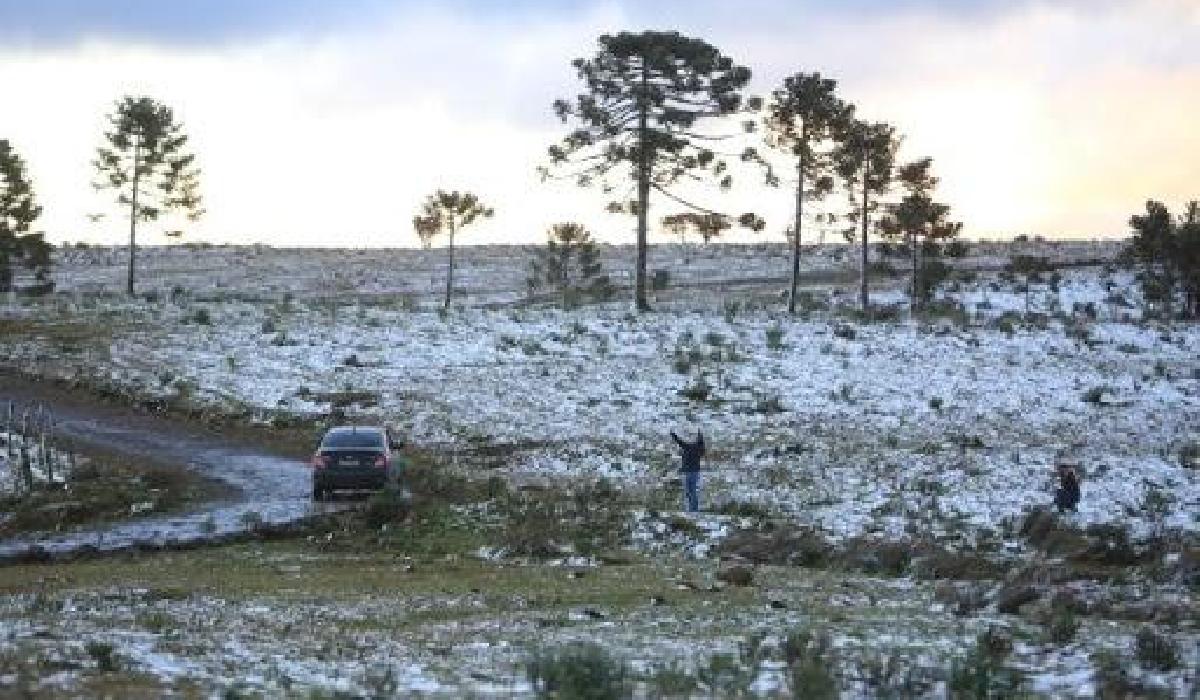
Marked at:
<point>325,123</point>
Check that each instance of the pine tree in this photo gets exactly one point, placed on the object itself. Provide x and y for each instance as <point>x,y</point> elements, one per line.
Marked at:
<point>708,226</point>
<point>569,265</point>
<point>804,117</point>
<point>18,211</point>
<point>1168,253</point>
<point>864,158</point>
<point>646,94</point>
<point>923,224</point>
<point>145,161</point>
<point>450,212</point>
<point>426,229</point>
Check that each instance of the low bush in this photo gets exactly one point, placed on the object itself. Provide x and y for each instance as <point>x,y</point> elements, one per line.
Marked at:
<point>775,337</point>
<point>1156,651</point>
<point>959,566</point>
<point>104,654</point>
<point>768,405</point>
<point>725,676</point>
<point>744,509</point>
<point>795,547</point>
<point>877,557</point>
<point>671,681</point>
<point>543,524</point>
<point>1061,627</point>
<point>810,663</point>
<point>580,671</point>
<point>698,390</point>
<point>1096,395</point>
<point>982,676</point>
<point>389,506</point>
<point>1189,455</point>
<point>1114,682</point>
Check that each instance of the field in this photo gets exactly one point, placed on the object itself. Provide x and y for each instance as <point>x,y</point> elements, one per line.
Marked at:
<point>879,484</point>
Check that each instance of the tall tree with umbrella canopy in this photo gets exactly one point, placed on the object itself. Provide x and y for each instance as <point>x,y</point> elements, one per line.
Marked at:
<point>646,95</point>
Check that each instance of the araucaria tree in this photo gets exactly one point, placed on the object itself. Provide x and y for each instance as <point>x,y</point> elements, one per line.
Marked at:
<point>804,117</point>
<point>425,229</point>
<point>18,211</point>
<point>864,158</point>
<point>144,158</point>
<point>706,225</point>
<point>923,224</point>
<point>569,265</point>
<point>645,97</point>
<point>1167,251</point>
<point>450,212</point>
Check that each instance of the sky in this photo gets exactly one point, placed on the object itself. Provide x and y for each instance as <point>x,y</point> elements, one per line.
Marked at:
<point>327,123</point>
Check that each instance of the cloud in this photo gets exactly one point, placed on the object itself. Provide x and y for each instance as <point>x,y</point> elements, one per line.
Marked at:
<point>329,127</point>
<point>205,22</point>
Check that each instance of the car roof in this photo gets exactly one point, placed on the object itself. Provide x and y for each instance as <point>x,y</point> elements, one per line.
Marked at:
<point>354,429</point>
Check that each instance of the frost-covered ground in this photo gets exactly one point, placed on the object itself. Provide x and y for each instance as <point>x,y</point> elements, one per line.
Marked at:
<point>943,428</point>
<point>856,427</point>
<point>280,621</point>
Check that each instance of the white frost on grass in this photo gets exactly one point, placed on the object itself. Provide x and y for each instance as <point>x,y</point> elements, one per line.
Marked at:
<point>944,429</point>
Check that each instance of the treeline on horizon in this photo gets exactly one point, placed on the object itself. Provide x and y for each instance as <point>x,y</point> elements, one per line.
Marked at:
<point>665,112</point>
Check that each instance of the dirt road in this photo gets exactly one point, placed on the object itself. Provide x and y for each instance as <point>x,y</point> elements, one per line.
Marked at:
<point>263,489</point>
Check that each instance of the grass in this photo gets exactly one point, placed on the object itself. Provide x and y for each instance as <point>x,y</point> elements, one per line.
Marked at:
<point>104,490</point>
<point>445,596</point>
<point>68,336</point>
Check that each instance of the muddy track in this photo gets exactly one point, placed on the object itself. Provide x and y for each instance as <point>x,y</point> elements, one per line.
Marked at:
<point>262,491</point>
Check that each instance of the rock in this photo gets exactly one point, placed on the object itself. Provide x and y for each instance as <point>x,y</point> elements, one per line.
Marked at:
<point>736,575</point>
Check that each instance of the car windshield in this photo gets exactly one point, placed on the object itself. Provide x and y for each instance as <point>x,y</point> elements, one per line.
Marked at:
<point>347,439</point>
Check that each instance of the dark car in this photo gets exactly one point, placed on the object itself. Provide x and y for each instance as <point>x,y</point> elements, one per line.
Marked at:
<point>357,458</point>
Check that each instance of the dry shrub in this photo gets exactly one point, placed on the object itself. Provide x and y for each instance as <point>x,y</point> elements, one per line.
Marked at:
<point>795,547</point>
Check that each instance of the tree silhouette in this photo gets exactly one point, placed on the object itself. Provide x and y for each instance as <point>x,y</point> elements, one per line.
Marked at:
<point>864,160</point>
<point>706,225</point>
<point>645,97</point>
<point>570,265</point>
<point>450,212</point>
<point>1168,252</point>
<point>922,223</point>
<point>144,160</point>
<point>18,211</point>
<point>426,230</point>
<point>803,116</point>
<point>677,225</point>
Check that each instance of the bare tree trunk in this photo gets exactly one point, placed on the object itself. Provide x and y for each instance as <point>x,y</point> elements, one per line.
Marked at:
<point>864,294</point>
<point>915,302</point>
<point>640,300</point>
<point>133,214</point>
<point>450,271</point>
<point>643,205</point>
<point>798,225</point>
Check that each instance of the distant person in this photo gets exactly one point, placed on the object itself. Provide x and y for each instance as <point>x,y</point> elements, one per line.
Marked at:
<point>1067,495</point>
<point>690,454</point>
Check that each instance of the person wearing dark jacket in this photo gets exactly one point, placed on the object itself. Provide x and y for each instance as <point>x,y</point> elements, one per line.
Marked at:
<point>1067,495</point>
<point>690,455</point>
